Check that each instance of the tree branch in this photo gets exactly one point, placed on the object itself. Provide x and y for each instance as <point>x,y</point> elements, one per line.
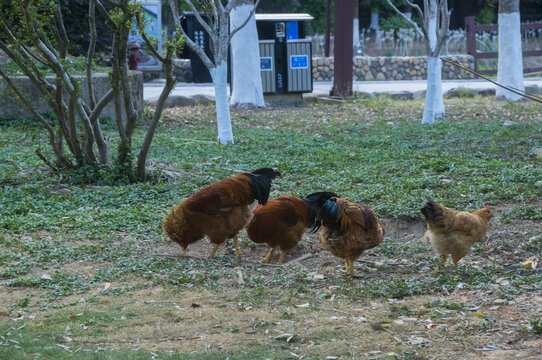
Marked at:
<point>63,41</point>
<point>104,13</point>
<point>45,160</point>
<point>416,7</point>
<point>90,52</point>
<point>220,6</point>
<point>202,22</point>
<point>234,31</point>
<point>204,58</point>
<point>412,23</point>
<point>146,39</point>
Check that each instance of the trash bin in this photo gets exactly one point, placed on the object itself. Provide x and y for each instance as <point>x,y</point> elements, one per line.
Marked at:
<point>285,53</point>
<point>197,33</point>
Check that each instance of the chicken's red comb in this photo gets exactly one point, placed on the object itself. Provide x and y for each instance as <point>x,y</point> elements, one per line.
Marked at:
<point>487,207</point>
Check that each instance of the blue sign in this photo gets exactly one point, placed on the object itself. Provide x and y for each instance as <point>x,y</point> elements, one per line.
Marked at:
<point>266,63</point>
<point>292,31</point>
<point>299,62</point>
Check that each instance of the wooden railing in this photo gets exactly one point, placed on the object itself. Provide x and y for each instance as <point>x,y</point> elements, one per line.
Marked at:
<point>471,30</point>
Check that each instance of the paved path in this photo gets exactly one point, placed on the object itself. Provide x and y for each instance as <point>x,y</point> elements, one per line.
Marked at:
<point>151,90</point>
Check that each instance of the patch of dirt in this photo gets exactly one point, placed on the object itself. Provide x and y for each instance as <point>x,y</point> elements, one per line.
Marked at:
<point>157,319</point>
<point>507,240</point>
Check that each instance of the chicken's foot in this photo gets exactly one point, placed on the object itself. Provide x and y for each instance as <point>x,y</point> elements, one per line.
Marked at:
<point>443,258</point>
<point>487,247</point>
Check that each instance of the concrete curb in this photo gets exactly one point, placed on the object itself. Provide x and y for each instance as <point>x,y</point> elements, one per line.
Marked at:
<point>186,94</point>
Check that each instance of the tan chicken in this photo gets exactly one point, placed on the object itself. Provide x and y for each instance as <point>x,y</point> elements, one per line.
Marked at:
<point>348,229</point>
<point>453,232</point>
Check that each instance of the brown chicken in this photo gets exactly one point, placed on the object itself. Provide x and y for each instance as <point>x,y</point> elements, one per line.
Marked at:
<point>219,210</point>
<point>348,229</point>
<point>454,232</point>
<point>282,221</point>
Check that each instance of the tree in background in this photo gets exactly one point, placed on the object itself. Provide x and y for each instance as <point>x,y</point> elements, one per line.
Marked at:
<point>486,11</point>
<point>510,61</point>
<point>316,8</point>
<point>218,16</point>
<point>374,5</point>
<point>33,36</point>
<point>246,80</point>
<point>435,30</point>
<point>356,41</point>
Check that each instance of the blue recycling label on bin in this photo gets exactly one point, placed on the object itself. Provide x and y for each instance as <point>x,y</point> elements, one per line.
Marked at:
<point>299,62</point>
<point>266,63</point>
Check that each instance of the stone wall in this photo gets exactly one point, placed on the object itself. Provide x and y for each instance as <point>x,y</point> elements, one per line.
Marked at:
<point>11,108</point>
<point>367,68</point>
<point>392,68</point>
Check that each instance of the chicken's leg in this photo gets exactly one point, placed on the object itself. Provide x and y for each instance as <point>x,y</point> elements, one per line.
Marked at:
<point>443,258</point>
<point>281,257</point>
<point>269,254</point>
<point>236,244</point>
<point>214,251</point>
<point>349,269</point>
<point>455,262</point>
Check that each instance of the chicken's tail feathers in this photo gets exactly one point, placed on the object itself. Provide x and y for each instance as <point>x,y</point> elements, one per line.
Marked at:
<point>433,212</point>
<point>316,201</point>
<point>260,183</point>
<point>330,214</point>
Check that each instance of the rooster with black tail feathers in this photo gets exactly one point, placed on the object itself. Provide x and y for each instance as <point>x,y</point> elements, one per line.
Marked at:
<point>348,229</point>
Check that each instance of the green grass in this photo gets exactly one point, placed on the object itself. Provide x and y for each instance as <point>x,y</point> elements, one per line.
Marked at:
<point>372,151</point>
<point>32,342</point>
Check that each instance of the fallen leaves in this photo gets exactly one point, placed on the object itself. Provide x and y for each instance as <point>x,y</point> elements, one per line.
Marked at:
<point>530,264</point>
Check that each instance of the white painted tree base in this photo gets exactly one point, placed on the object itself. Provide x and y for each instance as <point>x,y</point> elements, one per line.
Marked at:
<point>434,102</point>
<point>219,75</point>
<point>510,66</point>
<point>246,79</point>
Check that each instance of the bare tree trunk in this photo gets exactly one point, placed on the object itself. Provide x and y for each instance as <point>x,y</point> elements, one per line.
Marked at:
<point>510,61</point>
<point>170,84</point>
<point>356,42</point>
<point>432,94</point>
<point>435,29</point>
<point>217,28</point>
<point>172,48</point>
<point>434,100</point>
<point>375,24</point>
<point>328,28</point>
